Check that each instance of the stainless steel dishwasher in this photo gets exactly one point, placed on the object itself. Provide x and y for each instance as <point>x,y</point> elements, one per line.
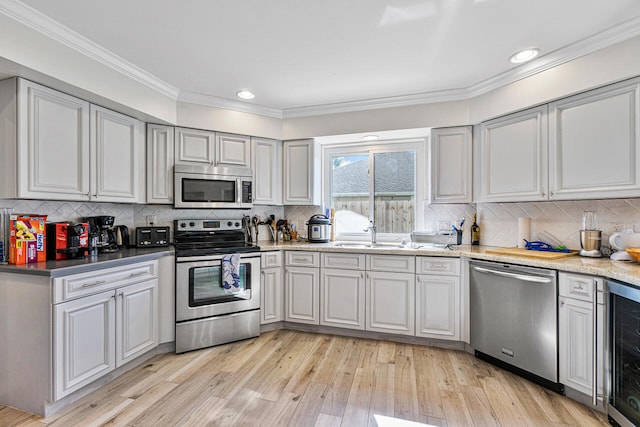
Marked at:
<point>514,319</point>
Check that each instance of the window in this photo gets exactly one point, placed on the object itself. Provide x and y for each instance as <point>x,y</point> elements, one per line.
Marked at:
<point>383,183</point>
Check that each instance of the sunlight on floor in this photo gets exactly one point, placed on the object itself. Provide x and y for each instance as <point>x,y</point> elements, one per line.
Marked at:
<point>384,421</point>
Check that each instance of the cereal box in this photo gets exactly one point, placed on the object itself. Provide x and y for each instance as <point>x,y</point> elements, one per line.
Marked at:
<point>27,240</point>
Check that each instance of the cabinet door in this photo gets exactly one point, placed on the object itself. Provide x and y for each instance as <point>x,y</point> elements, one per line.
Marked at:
<point>513,157</point>
<point>267,171</point>
<point>438,307</point>
<point>271,295</point>
<point>233,150</point>
<point>194,147</point>
<point>160,150</point>
<point>83,342</point>
<point>575,327</point>
<point>390,302</point>
<point>451,165</point>
<point>593,144</point>
<point>301,174</point>
<point>137,320</point>
<point>53,144</point>
<point>342,299</point>
<point>117,157</point>
<point>302,294</point>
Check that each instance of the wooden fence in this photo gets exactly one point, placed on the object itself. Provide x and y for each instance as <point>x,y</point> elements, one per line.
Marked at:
<point>393,214</point>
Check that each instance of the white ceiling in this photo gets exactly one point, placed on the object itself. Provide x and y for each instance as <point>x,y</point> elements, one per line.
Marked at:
<point>296,54</point>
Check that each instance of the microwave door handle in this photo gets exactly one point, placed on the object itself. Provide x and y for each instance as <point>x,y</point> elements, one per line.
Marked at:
<point>238,191</point>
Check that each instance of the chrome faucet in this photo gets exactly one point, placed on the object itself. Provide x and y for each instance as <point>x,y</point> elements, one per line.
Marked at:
<point>371,228</point>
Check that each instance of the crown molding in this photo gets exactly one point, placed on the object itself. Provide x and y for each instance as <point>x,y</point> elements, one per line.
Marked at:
<point>229,104</point>
<point>35,20</point>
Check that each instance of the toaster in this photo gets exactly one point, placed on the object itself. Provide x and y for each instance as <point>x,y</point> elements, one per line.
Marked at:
<point>150,237</point>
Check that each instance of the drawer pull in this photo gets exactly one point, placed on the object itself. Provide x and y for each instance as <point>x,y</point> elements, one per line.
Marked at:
<point>140,273</point>
<point>99,282</point>
<point>438,266</point>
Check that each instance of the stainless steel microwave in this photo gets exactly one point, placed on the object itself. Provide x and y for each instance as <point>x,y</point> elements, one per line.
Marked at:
<point>212,187</point>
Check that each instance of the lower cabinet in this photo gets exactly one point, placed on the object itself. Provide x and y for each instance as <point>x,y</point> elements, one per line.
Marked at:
<point>271,288</point>
<point>97,333</point>
<point>438,307</point>
<point>390,302</point>
<point>342,298</point>
<point>302,295</point>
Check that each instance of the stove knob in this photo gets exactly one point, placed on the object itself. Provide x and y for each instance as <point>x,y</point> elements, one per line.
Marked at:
<point>237,224</point>
<point>192,224</point>
<point>183,224</point>
<point>229,223</point>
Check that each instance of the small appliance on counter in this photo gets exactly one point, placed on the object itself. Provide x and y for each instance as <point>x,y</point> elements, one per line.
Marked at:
<point>319,229</point>
<point>622,241</point>
<point>590,237</point>
<point>152,237</point>
<point>67,240</point>
<point>103,236</point>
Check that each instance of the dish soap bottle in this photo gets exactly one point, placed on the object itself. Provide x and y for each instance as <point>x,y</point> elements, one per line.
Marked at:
<point>475,231</point>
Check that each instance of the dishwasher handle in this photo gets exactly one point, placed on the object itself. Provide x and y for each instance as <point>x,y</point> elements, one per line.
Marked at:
<point>519,276</point>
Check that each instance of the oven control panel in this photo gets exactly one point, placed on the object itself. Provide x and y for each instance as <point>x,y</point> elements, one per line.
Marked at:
<point>207,224</point>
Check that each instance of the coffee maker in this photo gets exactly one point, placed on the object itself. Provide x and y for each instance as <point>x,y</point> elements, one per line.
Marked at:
<point>102,235</point>
<point>590,237</point>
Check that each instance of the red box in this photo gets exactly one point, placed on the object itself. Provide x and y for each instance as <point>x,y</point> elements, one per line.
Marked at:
<point>27,240</point>
<point>58,240</point>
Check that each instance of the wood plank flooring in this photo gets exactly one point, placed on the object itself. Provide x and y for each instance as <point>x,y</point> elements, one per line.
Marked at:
<point>303,379</point>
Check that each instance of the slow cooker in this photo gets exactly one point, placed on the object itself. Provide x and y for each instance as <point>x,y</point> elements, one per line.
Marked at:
<point>318,229</point>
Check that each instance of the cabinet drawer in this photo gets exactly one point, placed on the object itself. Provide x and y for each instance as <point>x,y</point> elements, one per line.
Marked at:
<point>576,286</point>
<point>302,259</point>
<point>343,261</point>
<point>438,266</point>
<point>271,259</point>
<point>79,285</point>
<point>401,264</point>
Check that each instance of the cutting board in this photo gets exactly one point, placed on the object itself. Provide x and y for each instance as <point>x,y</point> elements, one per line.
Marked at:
<point>530,254</point>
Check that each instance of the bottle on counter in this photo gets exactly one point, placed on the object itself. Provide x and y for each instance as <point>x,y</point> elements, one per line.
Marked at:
<point>475,231</point>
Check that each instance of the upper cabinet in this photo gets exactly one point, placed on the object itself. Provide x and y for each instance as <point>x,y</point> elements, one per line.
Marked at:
<point>301,173</point>
<point>513,157</point>
<point>593,144</point>
<point>160,151</point>
<point>117,157</point>
<point>62,148</point>
<point>267,171</point>
<point>451,165</point>
<point>206,148</point>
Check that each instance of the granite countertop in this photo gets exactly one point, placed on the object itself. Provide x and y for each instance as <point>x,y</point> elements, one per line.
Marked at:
<point>618,270</point>
<point>81,265</point>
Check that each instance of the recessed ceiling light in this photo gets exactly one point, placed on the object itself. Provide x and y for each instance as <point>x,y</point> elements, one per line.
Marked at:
<point>245,94</point>
<point>370,137</point>
<point>524,55</point>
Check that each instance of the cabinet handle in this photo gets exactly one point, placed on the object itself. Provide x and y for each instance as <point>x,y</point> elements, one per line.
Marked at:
<point>140,273</point>
<point>543,194</point>
<point>561,303</point>
<point>99,282</point>
<point>437,266</point>
<point>362,277</point>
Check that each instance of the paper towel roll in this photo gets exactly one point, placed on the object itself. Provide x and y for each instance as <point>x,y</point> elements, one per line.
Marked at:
<point>524,231</point>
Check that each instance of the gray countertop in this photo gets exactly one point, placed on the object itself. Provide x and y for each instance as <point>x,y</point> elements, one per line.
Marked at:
<point>81,265</point>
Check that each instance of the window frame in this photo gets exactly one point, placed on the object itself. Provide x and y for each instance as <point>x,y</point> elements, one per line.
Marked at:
<point>419,145</point>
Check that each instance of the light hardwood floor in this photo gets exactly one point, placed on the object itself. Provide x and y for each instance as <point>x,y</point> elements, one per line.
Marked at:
<point>304,379</point>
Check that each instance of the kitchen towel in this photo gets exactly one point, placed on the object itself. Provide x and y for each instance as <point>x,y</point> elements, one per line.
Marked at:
<point>231,273</point>
<point>524,231</point>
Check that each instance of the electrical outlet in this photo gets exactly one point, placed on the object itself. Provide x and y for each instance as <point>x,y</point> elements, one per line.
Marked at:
<point>444,225</point>
<point>617,226</point>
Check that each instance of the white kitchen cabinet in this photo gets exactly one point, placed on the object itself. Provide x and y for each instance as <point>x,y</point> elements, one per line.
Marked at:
<point>438,298</point>
<point>194,147</point>
<point>342,298</point>
<point>45,142</point>
<point>233,150</point>
<point>117,157</point>
<point>106,319</point>
<point>513,164</point>
<point>83,341</point>
<point>581,333</point>
<point>451,165</point>
<point>301,173</point>
<point>302,295</point>
<point>272,288</point>
<point>390,302</point>
<point>160,154</point>
<point>594,138</point>
<point>267,171</point>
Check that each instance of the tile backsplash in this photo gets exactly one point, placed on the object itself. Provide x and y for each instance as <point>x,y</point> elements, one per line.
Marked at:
<point>558,221</point>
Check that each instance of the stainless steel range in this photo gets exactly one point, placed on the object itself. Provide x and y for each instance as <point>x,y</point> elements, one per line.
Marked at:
<point>211,310</point>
